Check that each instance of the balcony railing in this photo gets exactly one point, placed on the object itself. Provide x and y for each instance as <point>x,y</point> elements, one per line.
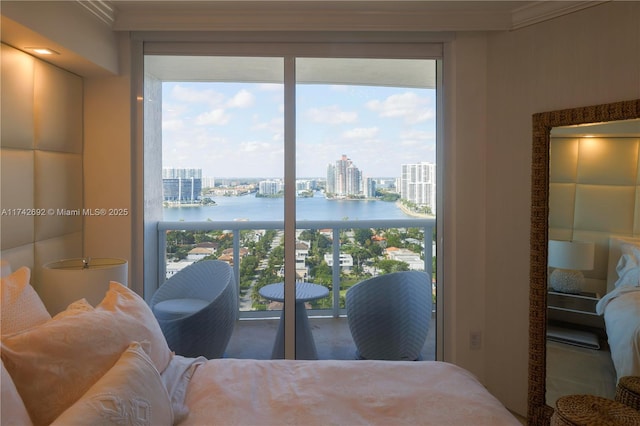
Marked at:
<point>235,227</point>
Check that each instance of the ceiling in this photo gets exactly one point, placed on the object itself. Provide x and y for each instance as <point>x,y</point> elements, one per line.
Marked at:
<point>37,23</point>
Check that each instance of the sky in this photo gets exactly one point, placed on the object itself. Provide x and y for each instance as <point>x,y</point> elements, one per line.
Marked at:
<point>237,129</point>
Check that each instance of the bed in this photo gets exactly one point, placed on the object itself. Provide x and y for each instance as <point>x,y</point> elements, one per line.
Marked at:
<point>620,306</point>
<point>110,364</point>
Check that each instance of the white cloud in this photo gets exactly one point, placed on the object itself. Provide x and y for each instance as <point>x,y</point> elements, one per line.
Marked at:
<point>216,117</point>
<point>408,105</point>
<point>172,125</point>
<point>194,95</point>
<point>417,134</point>
<point>331,115</point>
<point>242,99</point>
<point>361,133</point>
<point>255,146</point>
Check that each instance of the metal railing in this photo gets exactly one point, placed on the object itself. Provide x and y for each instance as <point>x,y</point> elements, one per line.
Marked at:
<point>234,227</point>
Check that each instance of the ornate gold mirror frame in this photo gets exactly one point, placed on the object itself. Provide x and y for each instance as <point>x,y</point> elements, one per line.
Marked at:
<point>538,413</point>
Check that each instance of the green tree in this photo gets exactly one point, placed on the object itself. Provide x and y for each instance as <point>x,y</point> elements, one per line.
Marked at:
<point>363,235</point>
<point>388,265</point>
<point>393,239</point>
<point>322,274</point>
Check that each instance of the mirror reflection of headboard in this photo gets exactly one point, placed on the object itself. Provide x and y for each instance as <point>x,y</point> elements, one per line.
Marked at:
<point>538,413</point>
<point>593,183</point>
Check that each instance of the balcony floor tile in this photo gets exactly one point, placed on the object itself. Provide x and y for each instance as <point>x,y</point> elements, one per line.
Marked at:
<point>253,339</point>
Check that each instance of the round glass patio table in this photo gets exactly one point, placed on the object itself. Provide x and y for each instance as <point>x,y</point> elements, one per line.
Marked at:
<point>305,292</point>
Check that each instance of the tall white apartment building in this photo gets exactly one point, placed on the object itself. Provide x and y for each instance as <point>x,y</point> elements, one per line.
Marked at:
<point>370,188</point>
<point>208,182</point>
<point>418,184</point>
<point>270,187</point>
<point>181,185</point>
<point>344,178</point>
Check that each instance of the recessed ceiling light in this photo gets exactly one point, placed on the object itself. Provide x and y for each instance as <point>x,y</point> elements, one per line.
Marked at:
<point>42,50</point>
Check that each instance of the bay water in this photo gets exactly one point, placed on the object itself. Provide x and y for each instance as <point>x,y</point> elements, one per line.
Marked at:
<point>250,207</point>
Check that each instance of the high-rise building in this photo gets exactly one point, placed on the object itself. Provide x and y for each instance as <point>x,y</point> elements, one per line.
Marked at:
<point>270,187</point>
<point>354,181</point>
<point>331,179</point>
<point>306,184</point>
<point>208,182</point>
<point>170,173</point>
<point>344,178</point>
<point>371,188</point>
<point>181,185</point>
<point>418,184</point>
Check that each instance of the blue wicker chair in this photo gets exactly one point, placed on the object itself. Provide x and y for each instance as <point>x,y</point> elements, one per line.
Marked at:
<point>389,315</point>
<point>196,309</point>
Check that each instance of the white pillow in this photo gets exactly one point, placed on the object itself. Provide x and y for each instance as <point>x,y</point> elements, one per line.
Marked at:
<point>21,307</point>
<point>12,409</point>
<point>75,308</point>
<point>628,267</point>
<point>54,364</point>
<point>130,393</point>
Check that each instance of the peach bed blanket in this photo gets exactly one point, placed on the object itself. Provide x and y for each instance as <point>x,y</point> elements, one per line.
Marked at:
<point>284,392</point>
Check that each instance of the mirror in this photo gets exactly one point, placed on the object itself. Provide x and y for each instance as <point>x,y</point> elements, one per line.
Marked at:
<point>539,412</point>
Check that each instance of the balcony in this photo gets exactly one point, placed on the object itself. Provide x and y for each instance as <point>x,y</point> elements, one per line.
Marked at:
<point>258,321</point>
<point>253,339</point>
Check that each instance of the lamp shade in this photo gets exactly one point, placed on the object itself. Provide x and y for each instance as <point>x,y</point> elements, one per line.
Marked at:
<point>573,255</point>
<point>66,281</point>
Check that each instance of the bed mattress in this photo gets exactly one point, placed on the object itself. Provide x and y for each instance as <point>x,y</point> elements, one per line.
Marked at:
<point>285,392</point>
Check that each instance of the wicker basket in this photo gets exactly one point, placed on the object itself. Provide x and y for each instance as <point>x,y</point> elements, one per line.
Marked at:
<point>589,410</point>
<point>628,391</point>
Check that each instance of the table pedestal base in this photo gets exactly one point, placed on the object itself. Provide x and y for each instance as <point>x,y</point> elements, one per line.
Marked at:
<point>305,345</point>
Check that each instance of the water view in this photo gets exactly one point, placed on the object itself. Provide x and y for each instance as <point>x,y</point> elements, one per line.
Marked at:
<point>250,207</point>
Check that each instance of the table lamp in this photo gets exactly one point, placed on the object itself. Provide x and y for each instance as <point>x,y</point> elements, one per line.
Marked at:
<point>569,258</point>
<point>66,281</point>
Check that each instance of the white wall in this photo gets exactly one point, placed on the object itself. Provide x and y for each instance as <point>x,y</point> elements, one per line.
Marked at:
<point>108,166</point>
<point>590,57</point>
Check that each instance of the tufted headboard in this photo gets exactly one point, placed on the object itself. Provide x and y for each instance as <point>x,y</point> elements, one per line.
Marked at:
<point>594,187</point>
<point>41,162</point>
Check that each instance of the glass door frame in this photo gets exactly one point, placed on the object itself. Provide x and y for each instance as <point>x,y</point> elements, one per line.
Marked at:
<point>380,46</point>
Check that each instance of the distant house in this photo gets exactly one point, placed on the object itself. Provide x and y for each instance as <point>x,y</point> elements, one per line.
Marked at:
<point>214,245</point>
<point>327,232</point>
<point>199,253</point>
<point>407,256</point>
<point>302,251</point>
<point>381,241</point>
<point>173,267</point>
<point>346,260</point>
<point>227,255</point>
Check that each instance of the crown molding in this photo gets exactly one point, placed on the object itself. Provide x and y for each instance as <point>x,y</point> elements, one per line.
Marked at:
<point>312,16</point>
<point>540,11</point>
<point>267,15</point>
<point>101,9</point>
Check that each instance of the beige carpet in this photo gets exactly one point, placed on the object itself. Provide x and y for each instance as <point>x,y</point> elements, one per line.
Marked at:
<point>574,370</point>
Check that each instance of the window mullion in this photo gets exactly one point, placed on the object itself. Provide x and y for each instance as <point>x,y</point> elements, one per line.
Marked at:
<point>289,207</point>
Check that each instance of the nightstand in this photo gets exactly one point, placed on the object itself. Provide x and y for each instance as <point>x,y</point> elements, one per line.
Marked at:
<point>578,309</point>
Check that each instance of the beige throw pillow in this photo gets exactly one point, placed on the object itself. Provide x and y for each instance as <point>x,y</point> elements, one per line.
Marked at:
<point>21,306</point>
<point>131,393</point>
<point>54,364</point>
<point>12,409</point>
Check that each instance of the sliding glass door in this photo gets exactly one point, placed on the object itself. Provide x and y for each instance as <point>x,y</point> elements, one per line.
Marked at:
<point>307,174</point>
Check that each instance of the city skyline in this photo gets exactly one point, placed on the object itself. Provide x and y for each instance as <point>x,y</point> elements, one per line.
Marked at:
<point>236,129</point>
<point>417,183</point>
